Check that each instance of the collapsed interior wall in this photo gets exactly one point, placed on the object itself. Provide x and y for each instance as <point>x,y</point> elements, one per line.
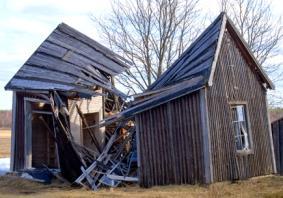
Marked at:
<point>94,112</point>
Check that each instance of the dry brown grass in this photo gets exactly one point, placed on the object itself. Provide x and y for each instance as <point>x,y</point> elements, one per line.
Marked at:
<point>5,142</point>
<point>269,186</point>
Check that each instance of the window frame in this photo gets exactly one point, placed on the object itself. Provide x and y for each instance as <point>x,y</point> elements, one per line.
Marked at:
<point>233,104</point>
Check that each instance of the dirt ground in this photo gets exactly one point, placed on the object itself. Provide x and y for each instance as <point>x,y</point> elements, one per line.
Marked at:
<point>268,186</point>
<point>11,186</point>
<point>5,142</point>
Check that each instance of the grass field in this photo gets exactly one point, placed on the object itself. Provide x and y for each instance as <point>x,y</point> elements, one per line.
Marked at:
<point>11,186</point>
<point>5,143</point>
<point>268,186</point>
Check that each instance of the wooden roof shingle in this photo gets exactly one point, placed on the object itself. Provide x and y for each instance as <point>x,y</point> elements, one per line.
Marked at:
<point>69,61</point>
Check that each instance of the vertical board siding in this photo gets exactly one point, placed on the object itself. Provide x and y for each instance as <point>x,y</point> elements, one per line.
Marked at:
<point>235,81</point>
<point>277,133</point>
<point>170,143</point>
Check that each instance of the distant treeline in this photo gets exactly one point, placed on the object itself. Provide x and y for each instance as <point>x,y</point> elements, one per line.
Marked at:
<point>275,113</point>
<point>5,119</point>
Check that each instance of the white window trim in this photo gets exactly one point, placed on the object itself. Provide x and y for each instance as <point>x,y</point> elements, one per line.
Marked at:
<point>251,149</point>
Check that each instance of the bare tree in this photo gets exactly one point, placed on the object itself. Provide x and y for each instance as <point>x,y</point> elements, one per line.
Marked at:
<point>261,30</point>
<point>150,33</point>
<point>263,33</point>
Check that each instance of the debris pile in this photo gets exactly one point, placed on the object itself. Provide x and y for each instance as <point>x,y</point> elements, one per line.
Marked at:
<point>115,163</point>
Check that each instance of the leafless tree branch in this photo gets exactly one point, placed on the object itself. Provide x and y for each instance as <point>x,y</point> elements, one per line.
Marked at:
<point>150,33</point>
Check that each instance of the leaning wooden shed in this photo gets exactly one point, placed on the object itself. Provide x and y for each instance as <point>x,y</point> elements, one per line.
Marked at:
<point>277,133</point>
<point>79,71</point>
<point>205,119</point>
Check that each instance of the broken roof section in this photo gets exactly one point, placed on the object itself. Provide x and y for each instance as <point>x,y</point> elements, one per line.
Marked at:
<point>69,61</point>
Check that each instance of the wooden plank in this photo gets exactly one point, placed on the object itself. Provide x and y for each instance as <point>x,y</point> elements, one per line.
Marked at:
<point>206,137</point>
<point>28,135</point>
<point>17,83</point>
<point>186,63</point>
<point>55,64</point>
<point>13,131</point>
<point>122,178</point>
<point>219,42</point>
<point>234,31</point>
<point>271,139</point>
<point>83,38</point>
<point>74,45</point>
<point>52,49</point>
<point>275,135</point>
<point>31,71</point>
<point>202,39</point>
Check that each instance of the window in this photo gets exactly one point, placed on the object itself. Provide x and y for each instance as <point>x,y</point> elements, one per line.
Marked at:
<point>241,127</point>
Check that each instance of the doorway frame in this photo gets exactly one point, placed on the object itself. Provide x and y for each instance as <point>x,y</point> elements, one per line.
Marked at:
<point>28,112</point>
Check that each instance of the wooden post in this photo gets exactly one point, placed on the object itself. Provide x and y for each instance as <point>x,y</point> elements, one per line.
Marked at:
<point>270,138</point>
<point>13,135</point>
<point>28,134</point>
<point>137,123</point>
<point>208,172</point>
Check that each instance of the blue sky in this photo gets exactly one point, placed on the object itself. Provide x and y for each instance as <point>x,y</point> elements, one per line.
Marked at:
<point>24,24</point>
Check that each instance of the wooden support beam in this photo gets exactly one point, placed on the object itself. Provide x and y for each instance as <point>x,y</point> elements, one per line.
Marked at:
<point>13,132</point>
<point>208,173</point>
<point>28,135</point>
<point>270,138</point>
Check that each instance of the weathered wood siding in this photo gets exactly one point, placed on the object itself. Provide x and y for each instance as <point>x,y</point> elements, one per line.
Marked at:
<point>235,81</point>
<point>170,143</point>
<point>277,133</point>
<point>19,132</point>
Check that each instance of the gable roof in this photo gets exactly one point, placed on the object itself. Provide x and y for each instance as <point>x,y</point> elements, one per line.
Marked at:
<point>201,57</point>
<point>193,70</point>
<point>69,61</point>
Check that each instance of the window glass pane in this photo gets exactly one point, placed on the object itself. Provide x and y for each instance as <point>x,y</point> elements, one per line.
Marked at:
<point>240,126</point>
<point>240,113</point>
<point>237,136</point>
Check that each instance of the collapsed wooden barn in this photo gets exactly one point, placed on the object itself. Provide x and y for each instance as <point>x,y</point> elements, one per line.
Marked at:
<point>77,72</point>
<point>277,133</point>
<point>205,119</point>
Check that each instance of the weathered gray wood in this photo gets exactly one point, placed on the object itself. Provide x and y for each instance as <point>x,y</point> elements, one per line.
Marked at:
<point>32,71</point>
<point>81,37</point>
<point>122,178</point>
<point>84,50</point>
<point>52,49</point>
<point>138,141</point>
<point>13,131</point>
<point>43,112</point>
<point>191,53</point>
<point>219,42</point>
<point>270,138</point>
<point>208,170</point>
<point>55,64</point>
<point>246,47</point>
<point>235,80</point>
<point>70,62</point>
<point>171,143</point>
<point>28,134</point>
<point>39,85</point>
